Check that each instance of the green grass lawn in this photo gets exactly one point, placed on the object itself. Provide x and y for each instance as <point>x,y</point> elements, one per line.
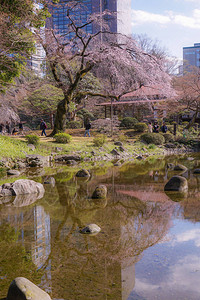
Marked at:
<point>16,146</point>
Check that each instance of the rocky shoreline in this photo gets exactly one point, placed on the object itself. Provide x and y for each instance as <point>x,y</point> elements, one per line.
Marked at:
<point>119,153</point>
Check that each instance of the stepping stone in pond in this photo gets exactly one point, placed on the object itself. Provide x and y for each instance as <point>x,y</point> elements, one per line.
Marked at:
<point>90,229</point>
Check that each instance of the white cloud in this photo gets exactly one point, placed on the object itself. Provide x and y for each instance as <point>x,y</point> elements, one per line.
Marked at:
<point>140,17</point>
<point>195,1</point>
<point>190,235</point>
<point>184,273</point>
<point>180,279</point>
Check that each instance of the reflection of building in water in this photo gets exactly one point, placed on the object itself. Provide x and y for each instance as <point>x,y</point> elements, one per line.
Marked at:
<point>41,246</point>
<point>33,225</point>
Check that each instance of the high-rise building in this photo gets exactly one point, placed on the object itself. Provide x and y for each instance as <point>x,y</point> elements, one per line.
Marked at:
<point>36,61</point>
<point>120,23</point>
<point>191,57</point>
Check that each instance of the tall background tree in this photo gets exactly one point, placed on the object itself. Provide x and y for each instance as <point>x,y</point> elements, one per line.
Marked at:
<point>17,18</point>
<point>154,48</point>
<point>188,94</point>
<point>44,101</point>
<point>121,65</point>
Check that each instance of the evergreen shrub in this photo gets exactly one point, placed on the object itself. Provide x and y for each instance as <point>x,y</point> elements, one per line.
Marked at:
<point>153,138</point>
<point>32,139</point>
<point>74,124</point>
<point>99,140</point>
<point>140,127</point>
<point>128,122</point>
<point>85,114</point>
<point>62,138</point>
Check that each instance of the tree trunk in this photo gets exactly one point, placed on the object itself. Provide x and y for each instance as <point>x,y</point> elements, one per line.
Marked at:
<point>111,117</point>
<point>192,121</point>
<point>60,119</point>
<point>51,120</point>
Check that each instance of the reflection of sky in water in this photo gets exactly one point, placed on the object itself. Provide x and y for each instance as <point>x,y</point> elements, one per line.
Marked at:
<point>171,270</point>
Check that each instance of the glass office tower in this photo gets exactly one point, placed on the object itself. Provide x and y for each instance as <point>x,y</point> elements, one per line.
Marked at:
<point>120,23</point>
<point>191,57</point>
<point>58,20</point>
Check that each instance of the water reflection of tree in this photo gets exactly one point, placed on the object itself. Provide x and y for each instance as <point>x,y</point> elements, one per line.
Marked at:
<point>90,266</point>
<point>14,259</point>
<point>191,206</point>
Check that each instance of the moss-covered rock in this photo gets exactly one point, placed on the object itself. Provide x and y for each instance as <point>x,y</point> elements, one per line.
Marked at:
<point>100,192</point>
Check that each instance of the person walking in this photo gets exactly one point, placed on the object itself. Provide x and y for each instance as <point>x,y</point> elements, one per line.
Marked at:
<point>43,127</point>
<point>87,128</point>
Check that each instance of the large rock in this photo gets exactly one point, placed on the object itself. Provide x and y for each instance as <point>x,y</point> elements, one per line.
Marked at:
<point>177,183</point>
<point>23,289</point>
<point>21,187</point>
<point>13,172</point>
<point>100,192</point>
<point>37,160</point>
<point>67,157</point>
<point>91,229</point>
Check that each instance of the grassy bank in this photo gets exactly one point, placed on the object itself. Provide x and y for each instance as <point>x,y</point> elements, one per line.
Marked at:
<point>16,146</point>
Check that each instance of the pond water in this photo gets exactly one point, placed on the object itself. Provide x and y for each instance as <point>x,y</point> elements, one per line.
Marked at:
<point>148,247</point>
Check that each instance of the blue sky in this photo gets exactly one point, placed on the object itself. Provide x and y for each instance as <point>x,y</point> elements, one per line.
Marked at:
<point>174,23</point>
